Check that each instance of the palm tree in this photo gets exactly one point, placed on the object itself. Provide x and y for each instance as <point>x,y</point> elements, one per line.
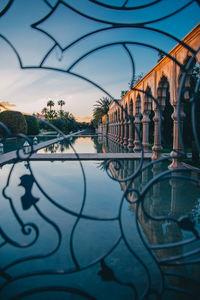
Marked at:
<point>97,113</point>
<point>44,111</point>
<point>61,103</point>
<point>52,114</point>
<point>103,105</point>
<point>101,108</point>
<point>50,103</point>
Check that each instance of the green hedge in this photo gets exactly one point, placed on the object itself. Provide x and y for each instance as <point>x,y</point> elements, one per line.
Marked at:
<point>58,123</point>
<point>33,125</point>
<point>14,120</point>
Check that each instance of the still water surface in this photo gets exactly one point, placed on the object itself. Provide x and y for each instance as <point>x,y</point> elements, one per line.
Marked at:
<point>75,246</point>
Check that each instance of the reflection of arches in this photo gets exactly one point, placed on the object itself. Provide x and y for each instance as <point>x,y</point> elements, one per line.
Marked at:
<point>164,102</point>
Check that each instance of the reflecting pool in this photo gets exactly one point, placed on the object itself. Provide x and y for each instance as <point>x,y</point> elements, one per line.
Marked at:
<point>11,144</point>
<point>85,144</point>
<point>75,229</point>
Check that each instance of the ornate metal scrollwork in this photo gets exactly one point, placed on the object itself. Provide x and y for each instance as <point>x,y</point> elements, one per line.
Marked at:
<point>41,236</point>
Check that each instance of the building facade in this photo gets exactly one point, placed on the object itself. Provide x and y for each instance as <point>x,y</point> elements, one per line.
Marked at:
<point>136,119</point>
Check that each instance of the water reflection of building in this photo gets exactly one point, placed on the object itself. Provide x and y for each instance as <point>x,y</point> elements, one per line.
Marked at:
<point>110,146</point>
<point>171,197</point>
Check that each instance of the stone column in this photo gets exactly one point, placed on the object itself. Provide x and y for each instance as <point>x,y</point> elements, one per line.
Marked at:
<point>117,131</point>
<point>157,147</point>
<point>112,130</point>
<point>107,126</point>
<point>176,162</point>
<point>125,133</point>
<point>130,140</point>
<point>116,128</point>
<point>122,132</point>
<point>145,122</point>
<point>137,122</point>
<point>119,126</point>
<point>109,129</point>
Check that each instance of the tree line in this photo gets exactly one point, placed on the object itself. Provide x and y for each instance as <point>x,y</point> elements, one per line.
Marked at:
<point>63,120</point>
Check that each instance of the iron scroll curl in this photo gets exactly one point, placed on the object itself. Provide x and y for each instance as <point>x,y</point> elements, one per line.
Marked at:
<point>132,195</point>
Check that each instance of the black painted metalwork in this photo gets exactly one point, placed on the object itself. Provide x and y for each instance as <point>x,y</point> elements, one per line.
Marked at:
<point>100,265</point>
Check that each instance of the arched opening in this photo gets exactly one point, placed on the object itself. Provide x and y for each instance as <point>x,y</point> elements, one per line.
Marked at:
<point>115,116</point>
<point>148,107</point>
<point>127,127</point>
<point>126,111</point>
<point>164,101</point>
<point>138,113</point>
<point>188,89</point>
<point>131,108</point>
<point>131,131</point>
<point>122,115</point>
<point>138,108</point>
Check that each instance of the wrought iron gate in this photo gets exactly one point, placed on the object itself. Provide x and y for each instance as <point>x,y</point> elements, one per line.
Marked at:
<point>43,259</point>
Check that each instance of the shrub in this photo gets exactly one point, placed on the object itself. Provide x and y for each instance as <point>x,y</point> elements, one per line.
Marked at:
<point>43,125</point>
<point>14,120</point>
<point>33,125</point>
<point>58,123</point>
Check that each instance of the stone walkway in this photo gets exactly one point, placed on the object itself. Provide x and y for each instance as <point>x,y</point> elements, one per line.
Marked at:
<point>88,156</point>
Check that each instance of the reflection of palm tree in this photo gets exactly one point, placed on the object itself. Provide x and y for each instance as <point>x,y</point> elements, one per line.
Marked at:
<point>51,148</point>
<point>62,148</point>
<point>97,146</point>
<point>102,165</point>
<point>64,145</point>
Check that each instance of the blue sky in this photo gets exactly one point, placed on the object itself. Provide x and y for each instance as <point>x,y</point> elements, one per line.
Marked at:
<point>29,89</point>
